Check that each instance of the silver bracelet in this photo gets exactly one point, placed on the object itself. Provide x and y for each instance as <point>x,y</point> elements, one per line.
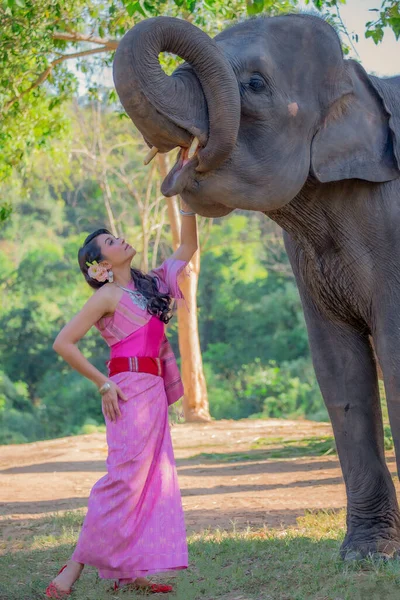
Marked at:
<point>187,214</point>
<point>105,387</point>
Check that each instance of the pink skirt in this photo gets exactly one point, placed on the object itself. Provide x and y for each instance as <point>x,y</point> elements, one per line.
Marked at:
<point>135,525</point>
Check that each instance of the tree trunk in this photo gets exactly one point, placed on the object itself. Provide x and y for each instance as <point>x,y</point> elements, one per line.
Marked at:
<point>195,400</point>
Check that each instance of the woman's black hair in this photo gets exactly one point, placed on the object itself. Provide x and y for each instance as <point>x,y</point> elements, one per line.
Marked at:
<point>158,304</point>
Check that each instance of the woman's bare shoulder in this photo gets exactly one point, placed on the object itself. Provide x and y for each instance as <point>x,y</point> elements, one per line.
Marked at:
<point>108,295</point>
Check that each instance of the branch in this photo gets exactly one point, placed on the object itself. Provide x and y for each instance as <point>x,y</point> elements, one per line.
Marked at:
<point>84,151</point>
<point>81,37</point>
<point>79,54</point>
<point>345,30</point>
<point>43,76</point>
<point>128,184</point>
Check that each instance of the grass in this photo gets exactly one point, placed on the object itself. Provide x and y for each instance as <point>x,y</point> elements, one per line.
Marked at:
<point>299,563</point>
<point>273,448</point>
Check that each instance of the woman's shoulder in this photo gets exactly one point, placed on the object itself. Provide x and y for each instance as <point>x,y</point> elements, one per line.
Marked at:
<point>109,295</point>
<point>108,290</point>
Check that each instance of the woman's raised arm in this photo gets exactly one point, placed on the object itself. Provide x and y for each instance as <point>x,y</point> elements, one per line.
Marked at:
<point>189,241</point>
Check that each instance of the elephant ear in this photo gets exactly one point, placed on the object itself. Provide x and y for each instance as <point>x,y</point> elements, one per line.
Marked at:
<point>357,139</point>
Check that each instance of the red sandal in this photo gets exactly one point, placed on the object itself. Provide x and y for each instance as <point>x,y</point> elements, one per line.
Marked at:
<point>52,591</point>
<point>153,588</point>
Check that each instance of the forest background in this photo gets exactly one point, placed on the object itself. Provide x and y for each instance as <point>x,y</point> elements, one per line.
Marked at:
<point>72,162</point>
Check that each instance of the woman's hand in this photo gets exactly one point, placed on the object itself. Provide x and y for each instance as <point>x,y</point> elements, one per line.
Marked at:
<point>110,401</point>
<point>185,207</point>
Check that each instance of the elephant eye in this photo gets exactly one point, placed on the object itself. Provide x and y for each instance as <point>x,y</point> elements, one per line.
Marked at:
<point>257,83</point>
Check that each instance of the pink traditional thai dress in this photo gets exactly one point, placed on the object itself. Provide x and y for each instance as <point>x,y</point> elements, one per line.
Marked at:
<point>135,525</point>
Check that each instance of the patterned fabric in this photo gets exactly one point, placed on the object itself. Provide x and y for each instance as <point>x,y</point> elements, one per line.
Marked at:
<point>135,524</point>
<point>128,317</point>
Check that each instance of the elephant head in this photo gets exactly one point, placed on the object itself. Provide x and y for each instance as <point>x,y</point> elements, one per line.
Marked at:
<point>271,102</point>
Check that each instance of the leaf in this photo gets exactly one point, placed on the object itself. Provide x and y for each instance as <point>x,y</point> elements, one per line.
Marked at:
<point>395,25</point>
<point>375,34</point>
<point>135,7</point>
<point>151,8</point>
<point>131,8</point>
<point>254,7</point>
<point>5,212</point>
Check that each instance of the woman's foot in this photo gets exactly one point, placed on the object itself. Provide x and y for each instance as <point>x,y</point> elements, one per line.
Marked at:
<point>134,583</point>
<point>67,577</point>
<point>138,582</point>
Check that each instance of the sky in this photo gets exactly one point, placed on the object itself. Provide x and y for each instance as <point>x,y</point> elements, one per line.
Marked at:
<point>382,59</point>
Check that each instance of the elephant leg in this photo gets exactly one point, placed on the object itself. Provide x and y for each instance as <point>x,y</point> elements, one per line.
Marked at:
<point>387,345</point>
<point>345,367</point>
<point>346,372</point>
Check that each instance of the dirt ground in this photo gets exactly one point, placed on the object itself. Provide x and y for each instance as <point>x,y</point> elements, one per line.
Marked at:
<point>41,478</point>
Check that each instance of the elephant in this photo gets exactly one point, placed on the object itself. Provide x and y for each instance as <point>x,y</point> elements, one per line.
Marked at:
<point>269,116</point>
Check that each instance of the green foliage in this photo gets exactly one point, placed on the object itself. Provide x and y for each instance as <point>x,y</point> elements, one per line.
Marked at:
<point>388,438</point>
<point>274,448</point>
<point>18,418</point>
<point>39,37</point>
<point>32,113</point>
<point>70,403</point>
<point>5,211</point>
<point>389,16</point>
<point>262,391</point>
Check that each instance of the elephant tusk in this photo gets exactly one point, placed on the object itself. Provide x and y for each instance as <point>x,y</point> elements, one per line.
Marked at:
<point>193,148</point>
<point>150,155</point>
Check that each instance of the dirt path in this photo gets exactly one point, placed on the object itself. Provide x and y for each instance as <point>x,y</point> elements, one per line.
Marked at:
<point>44,477</point>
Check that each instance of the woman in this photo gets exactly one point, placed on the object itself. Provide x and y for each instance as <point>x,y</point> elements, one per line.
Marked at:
<point>134,525</point>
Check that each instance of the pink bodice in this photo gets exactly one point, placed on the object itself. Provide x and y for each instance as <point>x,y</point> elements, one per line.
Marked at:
<point>129,318</point>
<point>145,341</point>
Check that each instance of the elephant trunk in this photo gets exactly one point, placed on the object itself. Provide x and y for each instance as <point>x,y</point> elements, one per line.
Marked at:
<point>170,110</point>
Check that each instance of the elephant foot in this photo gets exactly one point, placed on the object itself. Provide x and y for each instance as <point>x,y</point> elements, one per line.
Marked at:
<point>382,549</point>
<point>357,555</point>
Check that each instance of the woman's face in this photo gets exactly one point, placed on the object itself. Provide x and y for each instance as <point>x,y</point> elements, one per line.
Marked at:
<point>115,250</point>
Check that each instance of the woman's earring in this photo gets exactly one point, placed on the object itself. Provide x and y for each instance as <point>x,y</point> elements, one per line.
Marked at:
<point>110,276</point>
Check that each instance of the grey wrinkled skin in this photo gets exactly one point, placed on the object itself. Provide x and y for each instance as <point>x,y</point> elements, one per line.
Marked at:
<point>314,143</point>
